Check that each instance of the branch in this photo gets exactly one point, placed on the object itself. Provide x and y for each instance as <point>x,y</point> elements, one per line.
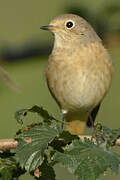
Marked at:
<point>12,143</point>
<point>8,144</point>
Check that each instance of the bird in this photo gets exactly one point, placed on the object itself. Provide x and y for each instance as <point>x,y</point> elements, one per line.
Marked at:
<point>78,72</point>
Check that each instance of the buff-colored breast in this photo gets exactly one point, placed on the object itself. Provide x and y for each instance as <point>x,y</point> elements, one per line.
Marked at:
<point>79,78</point>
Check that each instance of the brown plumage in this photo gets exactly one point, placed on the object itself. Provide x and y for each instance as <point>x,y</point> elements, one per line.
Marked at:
<point>79,70</point>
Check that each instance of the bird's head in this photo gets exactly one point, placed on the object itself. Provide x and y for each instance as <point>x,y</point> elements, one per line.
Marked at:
<point>71,28</point>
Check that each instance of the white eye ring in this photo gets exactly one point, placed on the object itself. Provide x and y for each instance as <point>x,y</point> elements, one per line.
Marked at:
<point>70,24</point>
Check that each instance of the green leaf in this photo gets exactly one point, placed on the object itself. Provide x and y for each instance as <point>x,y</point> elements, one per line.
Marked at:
<point>105,136</point>
<point>19,115</point>
<point>6,168</point>
<point>42,112</point>
<point>44,172</point>
<point>110,135</point>
<point>68,137</point>
<point>47,118</point>
<point>32,145</point>
<point>62,140</point>
<point>87,160</point>
<point>9,168</point>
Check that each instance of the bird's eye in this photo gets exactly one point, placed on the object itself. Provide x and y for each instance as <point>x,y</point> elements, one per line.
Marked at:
<point>70,24</point>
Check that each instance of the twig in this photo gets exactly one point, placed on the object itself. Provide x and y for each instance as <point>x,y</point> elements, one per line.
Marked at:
<point>8,144</point>
<point>12,143</point>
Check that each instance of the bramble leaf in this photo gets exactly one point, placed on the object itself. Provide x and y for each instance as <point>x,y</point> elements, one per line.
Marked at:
<point>110,135</point>
<point>42,145</point>
<point>42,112</point>
<point>46,117</point>
<point>68,137</point>
<point>32,144</point>
<point>44,172</point>
<point>105,136</point>
<point>9,168</point>
<point>87,160</point>
<point>19,116</point>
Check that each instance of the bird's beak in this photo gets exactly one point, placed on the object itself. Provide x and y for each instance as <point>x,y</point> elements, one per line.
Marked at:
<point>48,27</point>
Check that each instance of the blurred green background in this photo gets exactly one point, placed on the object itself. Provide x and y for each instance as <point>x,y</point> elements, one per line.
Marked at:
<point>24,51</point>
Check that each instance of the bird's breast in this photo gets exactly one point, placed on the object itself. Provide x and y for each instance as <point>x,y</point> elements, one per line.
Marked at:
<point>80,78</point>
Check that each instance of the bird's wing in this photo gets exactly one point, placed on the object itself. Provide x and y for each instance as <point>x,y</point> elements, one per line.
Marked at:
<point>92,116</point>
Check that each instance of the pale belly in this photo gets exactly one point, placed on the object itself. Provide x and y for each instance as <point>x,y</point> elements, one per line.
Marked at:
<point>80,87</point>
